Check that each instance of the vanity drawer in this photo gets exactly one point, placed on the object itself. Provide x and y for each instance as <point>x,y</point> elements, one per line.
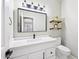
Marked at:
<point>50,52</point>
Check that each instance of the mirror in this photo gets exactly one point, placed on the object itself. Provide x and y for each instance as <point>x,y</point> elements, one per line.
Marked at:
<point>31,21</point>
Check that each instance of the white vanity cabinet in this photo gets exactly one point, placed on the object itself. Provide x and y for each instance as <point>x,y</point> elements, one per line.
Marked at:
<point>37,55</point>
<point>21,57</point>
<point>43,50</point>
<point>42,54</point>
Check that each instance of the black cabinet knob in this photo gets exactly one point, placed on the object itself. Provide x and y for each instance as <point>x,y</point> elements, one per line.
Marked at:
<point>51,52</point>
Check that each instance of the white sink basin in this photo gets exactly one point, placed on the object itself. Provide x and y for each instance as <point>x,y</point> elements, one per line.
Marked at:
<point>26,42</point>
<point>34,40</point>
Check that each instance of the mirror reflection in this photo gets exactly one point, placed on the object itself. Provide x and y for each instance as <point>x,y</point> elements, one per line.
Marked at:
<point>31,21</point>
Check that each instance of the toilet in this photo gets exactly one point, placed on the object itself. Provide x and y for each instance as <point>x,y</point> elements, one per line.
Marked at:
<point>62,52</point>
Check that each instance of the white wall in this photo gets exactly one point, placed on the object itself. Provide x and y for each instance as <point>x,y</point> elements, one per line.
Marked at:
<point>69,12</point>
<point>52,8</point>
<point>70,31</point>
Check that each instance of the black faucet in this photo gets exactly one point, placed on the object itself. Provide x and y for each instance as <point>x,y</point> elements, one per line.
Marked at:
<point>33,36</point>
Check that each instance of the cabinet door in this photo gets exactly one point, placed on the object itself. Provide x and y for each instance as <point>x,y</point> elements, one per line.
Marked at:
<point>53,57</point>
<point>37,55</point>
<point>50,53</point>
<point>21,57</point>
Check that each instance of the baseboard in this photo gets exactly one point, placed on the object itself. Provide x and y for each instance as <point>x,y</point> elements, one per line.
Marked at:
<point>72,57</point>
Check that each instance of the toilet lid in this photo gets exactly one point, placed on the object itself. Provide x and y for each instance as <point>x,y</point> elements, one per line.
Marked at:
<point>63,48</point>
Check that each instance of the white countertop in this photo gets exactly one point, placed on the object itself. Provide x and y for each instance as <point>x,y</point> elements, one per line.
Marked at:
<point>26,42</point>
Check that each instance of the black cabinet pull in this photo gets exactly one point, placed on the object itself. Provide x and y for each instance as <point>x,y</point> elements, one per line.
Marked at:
<point>43,55</point>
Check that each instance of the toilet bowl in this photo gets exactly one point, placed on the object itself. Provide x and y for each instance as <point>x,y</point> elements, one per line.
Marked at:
<point>62,52</point>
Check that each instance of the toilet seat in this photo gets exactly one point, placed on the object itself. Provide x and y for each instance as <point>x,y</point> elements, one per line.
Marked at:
<point>62,52</point>
<point>63,48</point>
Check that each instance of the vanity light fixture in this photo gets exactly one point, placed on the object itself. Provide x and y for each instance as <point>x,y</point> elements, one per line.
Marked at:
<point>38,4</point>
<point>28,5</point>
<point>44,8</point>
<point>24,3</point>
<point>35,7</point>
<point>32,3</point>
<point>24,0</point>
<point>41,8</point>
